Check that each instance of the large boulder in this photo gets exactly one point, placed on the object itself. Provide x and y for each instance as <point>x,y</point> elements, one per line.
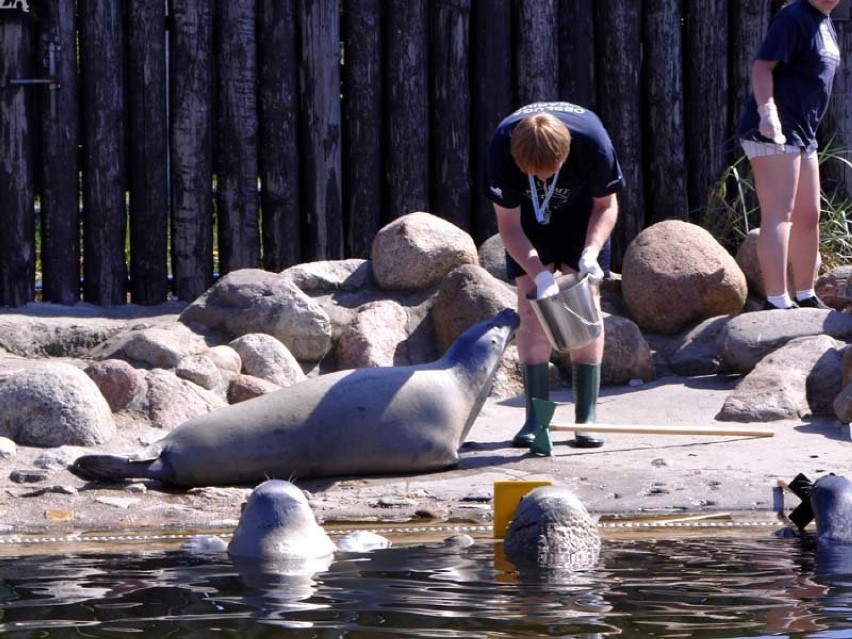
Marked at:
<point>256,301</point>
<point>54,404</point>
<point>417,250</point>
<point>675,273</point>
<point>467,296</point>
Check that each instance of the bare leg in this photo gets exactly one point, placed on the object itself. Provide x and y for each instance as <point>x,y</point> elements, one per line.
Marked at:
<point>533,345</point>
<point>804,233</point>
<point>776,178</point>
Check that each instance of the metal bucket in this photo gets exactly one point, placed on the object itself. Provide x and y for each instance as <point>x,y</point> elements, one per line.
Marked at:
<point>570,318</point>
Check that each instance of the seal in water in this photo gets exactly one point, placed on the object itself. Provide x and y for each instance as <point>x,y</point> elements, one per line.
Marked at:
<point>831,501</point>
<point>278,522</point>
<point>354,422</point>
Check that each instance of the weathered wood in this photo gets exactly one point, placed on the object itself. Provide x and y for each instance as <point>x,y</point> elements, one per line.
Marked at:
<point>192,117</point>
<point>278,94</point>
<point>663,102</point>
<point>407,112</point>
<point>619,63</point>
<point>835,132</point>
<point>236,160</point>
<point>102,67</point>
<point>362,124</point>
<point>148,137</point>
<point>577,52</point>
<point>322,188</point>
<point>537,53</point>
<point>17,215</point>
<point>749,21</point>
<point>706,91</point>
<point>60,167</point>
<point>491,97</point>
<point>450,123</point>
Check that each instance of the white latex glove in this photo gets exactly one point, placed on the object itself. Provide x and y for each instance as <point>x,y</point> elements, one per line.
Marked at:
<point>545,285</point>
<point>589,264</point>
<point>770,125</point>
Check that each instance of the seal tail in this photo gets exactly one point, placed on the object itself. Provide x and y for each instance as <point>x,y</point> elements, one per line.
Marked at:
<point>112,468</point>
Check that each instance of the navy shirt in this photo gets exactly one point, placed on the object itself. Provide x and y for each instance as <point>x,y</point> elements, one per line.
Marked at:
<point>591,170</point>
<point>803,42</point>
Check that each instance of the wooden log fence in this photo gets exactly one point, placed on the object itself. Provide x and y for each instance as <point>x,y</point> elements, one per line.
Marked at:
<point>150,145</point>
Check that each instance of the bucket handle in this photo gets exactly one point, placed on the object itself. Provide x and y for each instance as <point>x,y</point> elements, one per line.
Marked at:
<point>580,317</point>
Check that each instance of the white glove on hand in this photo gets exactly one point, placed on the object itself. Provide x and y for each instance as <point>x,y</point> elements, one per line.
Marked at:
<point>545,285</point>
<point>589,264</point>
<point>770,125</point>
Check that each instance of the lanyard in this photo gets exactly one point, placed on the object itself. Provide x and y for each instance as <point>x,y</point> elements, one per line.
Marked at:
<point>540,208</point>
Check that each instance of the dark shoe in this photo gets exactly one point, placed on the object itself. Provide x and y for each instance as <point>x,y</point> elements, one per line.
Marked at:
<point>586,382</point>
<point>586,440</point>
<point>536,385</point>
<point>769,306</point>
<point>813,302</point>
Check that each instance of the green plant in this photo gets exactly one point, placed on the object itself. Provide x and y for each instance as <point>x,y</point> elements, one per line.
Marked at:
<point>732,209</point>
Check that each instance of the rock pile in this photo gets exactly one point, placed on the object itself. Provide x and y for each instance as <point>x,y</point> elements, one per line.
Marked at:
<point>682,305</point>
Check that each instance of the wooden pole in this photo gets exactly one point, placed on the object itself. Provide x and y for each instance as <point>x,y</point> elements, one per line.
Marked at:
<point>666,429</point>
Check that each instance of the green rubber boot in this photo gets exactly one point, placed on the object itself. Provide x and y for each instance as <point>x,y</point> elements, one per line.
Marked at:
<point>536,384</point>
<point>586,382</point>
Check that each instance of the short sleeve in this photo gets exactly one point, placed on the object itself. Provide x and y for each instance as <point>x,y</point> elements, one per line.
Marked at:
<point>501,172</point>
<point>780,40</point>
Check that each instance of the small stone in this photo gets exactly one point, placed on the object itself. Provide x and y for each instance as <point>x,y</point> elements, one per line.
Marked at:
<point>660,463</point>
<point>28,475</point>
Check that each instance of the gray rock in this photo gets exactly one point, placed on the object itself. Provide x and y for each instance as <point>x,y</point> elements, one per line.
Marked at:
<point>243,387</point>
<point>777,387</point>
<point>492,257</point>
<point>747,338</point>
<point>225,358</point>
<point>265,357</point>
<point>417,250</point>
<point>160,346</point>
<point>201,370</point>
<point>331,275</point>
<point>255,301</point>
<point>170,400</point>
<point>376,338</point>
<point>54,404</point>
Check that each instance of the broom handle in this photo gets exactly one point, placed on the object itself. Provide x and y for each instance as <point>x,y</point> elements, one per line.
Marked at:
<point>667,429</point>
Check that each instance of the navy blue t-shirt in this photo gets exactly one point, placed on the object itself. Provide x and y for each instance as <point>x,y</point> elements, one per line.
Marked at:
<point>591,170</point>
<point>803,42</point>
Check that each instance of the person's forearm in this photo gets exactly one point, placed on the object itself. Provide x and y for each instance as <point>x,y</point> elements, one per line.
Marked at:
<point>762,84</point>
<point>602,222</point>
<point>516,243</point>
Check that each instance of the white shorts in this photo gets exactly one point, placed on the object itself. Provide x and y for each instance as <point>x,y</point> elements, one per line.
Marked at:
<point>755,149</point>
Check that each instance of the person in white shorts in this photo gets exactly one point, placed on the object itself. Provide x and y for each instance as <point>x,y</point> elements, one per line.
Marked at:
<point>791,81</point>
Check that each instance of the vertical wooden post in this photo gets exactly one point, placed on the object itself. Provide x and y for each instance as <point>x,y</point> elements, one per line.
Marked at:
<point>362,124</point>
<point>619,56</point>
<point>148,174</point>
<point>192,117</point>
<point>278,76</point>
<point>663,102</point>
<point>236,155</point>
<point>491,96</point>
<point>17,214</point>
<point>707,103</point>
<point>60,167</point>
<point>407,107</point>
<point>102,67</point>
<point>749,21</point>
<point>537,51</point>
<point>836,129</point>
<point>577,52</point>
<point>450,124</point>
<point>322,188</point>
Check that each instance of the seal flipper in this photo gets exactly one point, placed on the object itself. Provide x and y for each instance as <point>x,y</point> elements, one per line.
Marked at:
<point>145,464</point>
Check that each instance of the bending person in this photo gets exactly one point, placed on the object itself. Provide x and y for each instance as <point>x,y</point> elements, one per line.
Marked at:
<point>552,175</point>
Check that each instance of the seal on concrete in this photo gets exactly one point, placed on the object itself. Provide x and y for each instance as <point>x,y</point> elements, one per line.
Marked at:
<point>831,501</point>
<point>552,528</point>
<point>277,522</point>
<point>355,422</point>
